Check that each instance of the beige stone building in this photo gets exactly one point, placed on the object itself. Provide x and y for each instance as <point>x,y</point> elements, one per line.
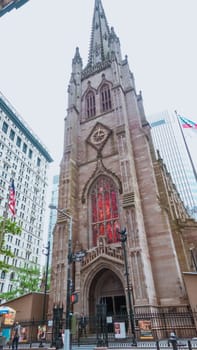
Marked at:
<point>110,179</point>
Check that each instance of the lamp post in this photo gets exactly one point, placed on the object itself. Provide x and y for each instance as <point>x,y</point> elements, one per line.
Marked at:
<point>47,253</point>
<point>67,342</point>
<point>123,239</point>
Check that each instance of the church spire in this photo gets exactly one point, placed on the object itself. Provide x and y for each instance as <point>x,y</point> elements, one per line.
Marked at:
<point>99,49</point>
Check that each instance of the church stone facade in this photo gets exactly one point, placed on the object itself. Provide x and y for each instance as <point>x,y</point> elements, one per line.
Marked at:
<point>110,179</point>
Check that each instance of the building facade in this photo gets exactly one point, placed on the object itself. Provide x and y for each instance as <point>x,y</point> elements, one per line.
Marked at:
<point>170,141</point>
<point>8,5</point>
<point>110,179</point>
<point>24,159</point>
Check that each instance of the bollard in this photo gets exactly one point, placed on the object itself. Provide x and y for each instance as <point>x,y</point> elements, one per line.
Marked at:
<point>189,345</point>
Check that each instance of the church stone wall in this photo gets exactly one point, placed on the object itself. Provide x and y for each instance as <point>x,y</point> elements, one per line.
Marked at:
<point>159,231</point>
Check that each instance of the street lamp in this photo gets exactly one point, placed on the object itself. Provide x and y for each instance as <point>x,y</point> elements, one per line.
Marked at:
<point>68,291</point>
<point>46,252</point>
<point>123,239</point>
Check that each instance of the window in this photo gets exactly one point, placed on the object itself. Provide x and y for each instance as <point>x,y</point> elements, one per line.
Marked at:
<point>105,98</point>
<point>38,161</point>
<point>1,287</point>
<point>30,154</point>
<point>12,135</point>
<point>104,210</point>
<point>12,276</point>
<point>5,127</point>
<point>24,148</point>
<point>10,287</point>
<point>90,105</point>
<point>3,275</point>
<point>18,141</point>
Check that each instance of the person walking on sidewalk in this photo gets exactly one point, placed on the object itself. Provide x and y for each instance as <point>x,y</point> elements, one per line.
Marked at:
<point>82,325</point>
<point>173,340</point>
<point>15,336</point>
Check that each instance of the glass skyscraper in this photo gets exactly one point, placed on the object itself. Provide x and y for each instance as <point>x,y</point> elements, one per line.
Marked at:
<point>176,148</point>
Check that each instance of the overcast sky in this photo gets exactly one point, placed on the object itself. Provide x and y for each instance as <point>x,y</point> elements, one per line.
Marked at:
<point>38,43</point>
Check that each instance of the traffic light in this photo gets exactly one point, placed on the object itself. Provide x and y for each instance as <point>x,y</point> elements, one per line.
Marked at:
<point>123,235</point>
<point>74,298</point>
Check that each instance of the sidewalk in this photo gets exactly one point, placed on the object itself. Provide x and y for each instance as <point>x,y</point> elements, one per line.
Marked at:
<point>145,345</point>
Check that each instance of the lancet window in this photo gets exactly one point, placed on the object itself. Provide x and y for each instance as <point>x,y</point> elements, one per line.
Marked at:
<point>105,98</point>
<point>104,210</point>
<point>90,104</point>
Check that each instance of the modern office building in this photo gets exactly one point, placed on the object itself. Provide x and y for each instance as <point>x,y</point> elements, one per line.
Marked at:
<point>24,159</point>
<point>110,179</point>
<point>8,5</point>
<point>175,148</point>
<point>53,213</point>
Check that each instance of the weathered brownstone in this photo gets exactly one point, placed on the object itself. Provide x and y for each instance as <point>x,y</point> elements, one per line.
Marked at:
<point>159,229</point>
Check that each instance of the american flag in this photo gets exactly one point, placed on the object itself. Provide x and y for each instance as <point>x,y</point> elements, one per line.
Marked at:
<point>12,199</point>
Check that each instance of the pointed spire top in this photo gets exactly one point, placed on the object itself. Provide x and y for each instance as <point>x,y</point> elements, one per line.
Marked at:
<point>99,49</point>
<point>77,57</point>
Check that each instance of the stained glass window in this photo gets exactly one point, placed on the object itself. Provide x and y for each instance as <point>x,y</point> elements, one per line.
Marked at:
<point>104,210</point>
<point>90,105</point>
<point>105,98</point>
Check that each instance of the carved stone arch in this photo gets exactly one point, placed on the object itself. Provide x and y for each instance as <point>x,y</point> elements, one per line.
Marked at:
<point>103,82</point>
<point>100,170</point>
<point>99,267</point>
<point>89,102</point>
<point>105,96</point>
<point>89,89</point>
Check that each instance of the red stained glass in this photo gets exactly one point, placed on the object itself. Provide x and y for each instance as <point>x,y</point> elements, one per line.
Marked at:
<point>95,233</point>
<point>109,232</point>
<point>107,206</point>
<point>116,226</point>
<point>107,187</point>
<point>101,229</point>
<point>114,205</point>
<point>104,196</point>
<point>116,229</point>
<point>101,215</point>
<point>94,209</point>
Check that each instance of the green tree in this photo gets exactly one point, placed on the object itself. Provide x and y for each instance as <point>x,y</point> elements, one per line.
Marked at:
<point>7,226</point>
<point>25,280</point>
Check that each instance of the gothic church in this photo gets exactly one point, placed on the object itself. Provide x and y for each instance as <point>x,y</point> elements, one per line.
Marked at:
<point>110,179</point>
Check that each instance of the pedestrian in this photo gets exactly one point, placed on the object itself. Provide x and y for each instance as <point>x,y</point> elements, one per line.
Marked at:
<point>82,325</point>
<point>173,340</point>
<point>15,336</point>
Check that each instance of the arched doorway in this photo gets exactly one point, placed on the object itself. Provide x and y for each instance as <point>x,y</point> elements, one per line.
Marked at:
<point>106,288</point>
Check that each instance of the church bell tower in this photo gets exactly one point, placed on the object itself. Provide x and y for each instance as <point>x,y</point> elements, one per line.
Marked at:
<point>108,182</point>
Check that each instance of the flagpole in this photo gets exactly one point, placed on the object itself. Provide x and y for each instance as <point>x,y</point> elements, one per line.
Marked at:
<point>187,148</point>
<point>5,216</point>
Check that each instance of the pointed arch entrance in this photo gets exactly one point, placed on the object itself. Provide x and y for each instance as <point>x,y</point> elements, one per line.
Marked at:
<point>106,288</point>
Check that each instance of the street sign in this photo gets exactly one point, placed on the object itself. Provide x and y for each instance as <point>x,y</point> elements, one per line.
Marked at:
<point>78,256</point>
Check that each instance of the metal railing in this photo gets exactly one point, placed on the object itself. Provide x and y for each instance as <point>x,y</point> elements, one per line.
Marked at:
<point>183,322</point>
